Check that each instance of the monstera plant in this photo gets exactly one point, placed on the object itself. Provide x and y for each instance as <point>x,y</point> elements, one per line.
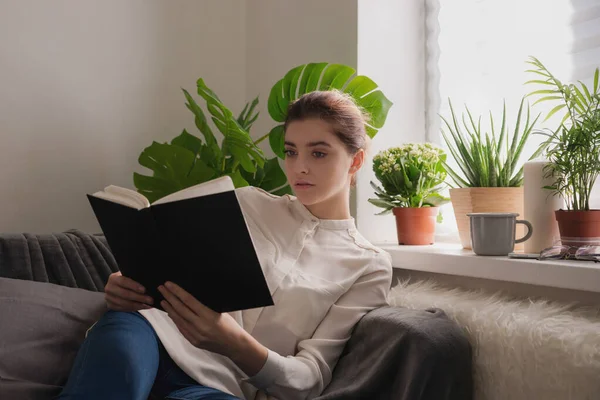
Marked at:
<point>324,76</point>
<point>188,160</point>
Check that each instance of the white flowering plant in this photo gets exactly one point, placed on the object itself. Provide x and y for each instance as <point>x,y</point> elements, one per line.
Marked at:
<point>411,175</point>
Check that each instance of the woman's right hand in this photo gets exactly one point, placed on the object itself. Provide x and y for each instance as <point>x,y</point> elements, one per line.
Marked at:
<point>124,294</point>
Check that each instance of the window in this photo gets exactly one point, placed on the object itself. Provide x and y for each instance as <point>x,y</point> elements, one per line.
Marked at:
<point>476,52</point>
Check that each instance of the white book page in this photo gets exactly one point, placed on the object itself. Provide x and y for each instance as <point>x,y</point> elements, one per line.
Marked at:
<point>123,196</point>
<point>219,185</point>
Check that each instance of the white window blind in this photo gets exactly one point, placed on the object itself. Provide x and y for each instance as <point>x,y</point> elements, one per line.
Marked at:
<point>476,52</point>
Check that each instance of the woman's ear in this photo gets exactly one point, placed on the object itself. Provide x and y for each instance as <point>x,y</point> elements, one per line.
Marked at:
<point>357,161</point>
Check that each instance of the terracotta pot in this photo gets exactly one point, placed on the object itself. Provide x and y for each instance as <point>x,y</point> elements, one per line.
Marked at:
<point>416,226</point>
<point>485,200</point>
<point>578,228</point>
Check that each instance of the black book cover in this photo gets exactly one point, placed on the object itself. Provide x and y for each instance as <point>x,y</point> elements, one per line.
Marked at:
<point>202,244</point>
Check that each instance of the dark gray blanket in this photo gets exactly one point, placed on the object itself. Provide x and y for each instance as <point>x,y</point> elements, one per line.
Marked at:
<point>401,354</point>
<point>394,353</point>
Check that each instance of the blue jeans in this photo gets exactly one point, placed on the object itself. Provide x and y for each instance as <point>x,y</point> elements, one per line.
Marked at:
<point>122,358</point>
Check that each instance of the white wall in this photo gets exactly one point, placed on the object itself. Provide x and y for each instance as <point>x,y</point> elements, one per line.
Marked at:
<point>282,34</point>
<point>86,85</point>
<point>391,52</point>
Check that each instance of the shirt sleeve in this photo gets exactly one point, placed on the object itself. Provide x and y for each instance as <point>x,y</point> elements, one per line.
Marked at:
<point>305,375</point>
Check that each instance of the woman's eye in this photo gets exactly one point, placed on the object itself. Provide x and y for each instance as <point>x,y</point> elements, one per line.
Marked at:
<point>318,154</point>
<point>288,152</point>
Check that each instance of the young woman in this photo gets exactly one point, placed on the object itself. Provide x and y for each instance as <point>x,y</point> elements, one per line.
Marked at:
<point>323,276</point>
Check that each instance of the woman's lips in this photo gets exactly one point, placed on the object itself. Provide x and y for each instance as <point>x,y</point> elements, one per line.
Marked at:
<point>303,185</point>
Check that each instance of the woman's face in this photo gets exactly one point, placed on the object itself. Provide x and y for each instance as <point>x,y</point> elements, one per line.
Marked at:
<point>317,163</point>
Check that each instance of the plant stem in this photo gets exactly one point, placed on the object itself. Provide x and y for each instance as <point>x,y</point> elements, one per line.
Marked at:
<point>261,139</point>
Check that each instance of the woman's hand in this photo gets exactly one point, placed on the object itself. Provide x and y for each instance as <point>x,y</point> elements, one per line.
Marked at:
<point>124,294</point>
<point>203,327</point>
<point>212,331</point>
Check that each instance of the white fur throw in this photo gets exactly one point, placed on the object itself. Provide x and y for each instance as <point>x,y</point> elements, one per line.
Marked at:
<point>523,350</point>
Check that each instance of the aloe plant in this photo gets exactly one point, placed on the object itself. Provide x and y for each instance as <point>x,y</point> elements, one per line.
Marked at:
<point>325,76</point>
<point>484,159</point>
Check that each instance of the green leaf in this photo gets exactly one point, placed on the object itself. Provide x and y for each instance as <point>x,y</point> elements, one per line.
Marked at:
<point>209,157</point>
<point>336,76</point>
<point>305,79</point>
<point>241,155</point>
<point>544,91</point>
<point>236,141</point>
<point>153,187</point>
<point>547,98</point>
<point>596,79</point>
<point>200,173</point>
<point>540,82</point>
<point>276,140</point>
<point>436,200</point>
<point>554,111</point>
<point>538,72</point>
<point>581,99</point>
<point>377,106</point>
<point>238,179</point>
<point>378,190</point>
<point>381,203</point>
<point>168,162</point>
<point>283,93</point>
<point>246,117</point>
<point>310,79</point>
<point>274,177</point>
<point>202,124</point>
<point>360,86</point>
<point>479,155</point>
<point>187,141</point>
<point>587,92</point>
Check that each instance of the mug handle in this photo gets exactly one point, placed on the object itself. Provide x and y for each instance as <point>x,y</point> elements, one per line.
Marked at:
<point>529,230</point>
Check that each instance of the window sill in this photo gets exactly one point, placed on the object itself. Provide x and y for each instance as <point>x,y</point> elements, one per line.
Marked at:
<point>452,259</point>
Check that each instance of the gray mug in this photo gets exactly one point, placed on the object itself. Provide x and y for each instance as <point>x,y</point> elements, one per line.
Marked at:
<point>493,234</point>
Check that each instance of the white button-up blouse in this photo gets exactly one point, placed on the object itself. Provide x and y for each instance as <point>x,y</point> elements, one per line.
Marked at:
<point>323,276</point>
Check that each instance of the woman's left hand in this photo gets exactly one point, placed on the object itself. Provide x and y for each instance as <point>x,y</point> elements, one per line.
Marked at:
<point>203,327</point>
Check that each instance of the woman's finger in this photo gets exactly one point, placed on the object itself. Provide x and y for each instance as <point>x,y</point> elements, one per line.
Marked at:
<point>185,327</point>
<point>189,300</point>
<point>119,304</point>
<point>129,283</point>
<point>130,295</point>
<point>112,306</point>
<point>177,305</point>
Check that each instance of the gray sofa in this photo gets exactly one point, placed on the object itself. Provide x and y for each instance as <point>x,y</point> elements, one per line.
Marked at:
<point>50,293</point>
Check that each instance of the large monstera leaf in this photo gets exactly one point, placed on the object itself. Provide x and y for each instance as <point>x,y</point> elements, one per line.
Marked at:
<point>325,76</point>
<point>175,166</point>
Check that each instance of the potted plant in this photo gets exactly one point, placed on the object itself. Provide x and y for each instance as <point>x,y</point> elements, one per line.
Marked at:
<point>489,177</point>
<point>188,160</point>
<point>412,177</point>
<point>573,152</point>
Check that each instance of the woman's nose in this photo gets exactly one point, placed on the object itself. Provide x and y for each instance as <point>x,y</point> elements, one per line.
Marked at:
<point>301,166</point>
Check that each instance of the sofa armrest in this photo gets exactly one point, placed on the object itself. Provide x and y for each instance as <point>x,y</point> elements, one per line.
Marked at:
<point>73,258</point>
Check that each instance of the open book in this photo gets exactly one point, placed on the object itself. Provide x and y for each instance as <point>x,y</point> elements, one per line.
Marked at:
<point>196,238</point>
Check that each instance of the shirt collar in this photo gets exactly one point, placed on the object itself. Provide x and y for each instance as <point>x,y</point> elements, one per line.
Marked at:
<point>323,223</point>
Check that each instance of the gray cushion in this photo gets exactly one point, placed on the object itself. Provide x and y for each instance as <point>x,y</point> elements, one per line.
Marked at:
<point>42,326</point>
